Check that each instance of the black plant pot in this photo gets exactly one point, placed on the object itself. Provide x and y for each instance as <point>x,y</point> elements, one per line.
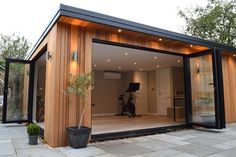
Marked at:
<point>78,138</point>
<point>33,139</point>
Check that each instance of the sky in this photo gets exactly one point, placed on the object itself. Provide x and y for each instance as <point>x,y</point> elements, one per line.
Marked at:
<point>30,17</point>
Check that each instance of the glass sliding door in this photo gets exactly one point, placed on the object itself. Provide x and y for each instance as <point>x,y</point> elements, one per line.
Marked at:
<point>16,91</point>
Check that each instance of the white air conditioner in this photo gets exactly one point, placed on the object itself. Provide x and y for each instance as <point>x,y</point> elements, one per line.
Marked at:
<point>112,75</point>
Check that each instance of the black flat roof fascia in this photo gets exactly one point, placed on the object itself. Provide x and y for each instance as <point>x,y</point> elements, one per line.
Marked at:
<point>91,16</point>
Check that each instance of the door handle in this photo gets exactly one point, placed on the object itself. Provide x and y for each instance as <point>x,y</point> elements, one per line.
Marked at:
<point>212,84</point>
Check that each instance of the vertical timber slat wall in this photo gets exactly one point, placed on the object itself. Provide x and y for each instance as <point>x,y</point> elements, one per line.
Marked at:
<point>229,75</point>
<point>49,89</point>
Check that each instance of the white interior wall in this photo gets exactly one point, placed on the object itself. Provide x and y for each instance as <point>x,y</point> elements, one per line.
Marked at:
<point>164,82</point>
<point>141,101</point>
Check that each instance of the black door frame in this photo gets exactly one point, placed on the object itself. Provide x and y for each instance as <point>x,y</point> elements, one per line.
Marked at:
<point>218,85</point>
<point>30,89</point>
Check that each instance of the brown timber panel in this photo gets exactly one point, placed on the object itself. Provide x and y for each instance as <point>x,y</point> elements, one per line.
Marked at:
<point>165,44</point>
<point>229,75</point>
<point>49,124</point>
<point>65,110</point>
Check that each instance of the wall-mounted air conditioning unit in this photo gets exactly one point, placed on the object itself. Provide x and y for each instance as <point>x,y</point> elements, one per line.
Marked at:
<point>112,75</point>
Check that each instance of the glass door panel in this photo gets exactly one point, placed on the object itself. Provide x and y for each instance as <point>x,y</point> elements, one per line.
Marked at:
<point>16,91</point>
<point>202,90</point>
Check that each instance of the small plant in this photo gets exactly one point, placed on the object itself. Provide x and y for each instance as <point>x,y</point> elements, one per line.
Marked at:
<point>78,85</point>
<point>33,129</point>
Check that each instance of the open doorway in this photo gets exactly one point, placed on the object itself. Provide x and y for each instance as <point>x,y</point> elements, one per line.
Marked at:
<point>39,90</point>
<point>159,100</point>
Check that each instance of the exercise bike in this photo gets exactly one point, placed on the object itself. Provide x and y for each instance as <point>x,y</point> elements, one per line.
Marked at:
<point>129,107</point>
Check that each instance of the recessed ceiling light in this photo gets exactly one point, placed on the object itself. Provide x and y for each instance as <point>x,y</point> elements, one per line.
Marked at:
<point>191,45</point>
<point>119,67</point>
<point>158,66</point>
<point>135,63</point>
<point>179,61</point>
<point>119,30</point>
<point>94,65</point>
<point>155,57</point>
<point>126,53</point>
<point>160,39</point>
<point>108,60</point>
<point>234,55</point>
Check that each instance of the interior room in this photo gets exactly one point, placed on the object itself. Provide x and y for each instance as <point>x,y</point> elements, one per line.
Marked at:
<point>39,91</point>
<point>154,80</point>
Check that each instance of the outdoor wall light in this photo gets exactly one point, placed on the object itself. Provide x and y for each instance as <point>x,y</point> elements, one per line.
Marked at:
<point>49,55</point>
<point>75,56</point>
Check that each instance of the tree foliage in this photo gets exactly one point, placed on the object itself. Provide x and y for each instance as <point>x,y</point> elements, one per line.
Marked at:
<point>13,46</point>
<point>216,21</point>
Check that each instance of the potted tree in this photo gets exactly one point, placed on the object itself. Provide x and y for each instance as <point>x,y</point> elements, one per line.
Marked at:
<point>79,85</point>
<point>33,132</point>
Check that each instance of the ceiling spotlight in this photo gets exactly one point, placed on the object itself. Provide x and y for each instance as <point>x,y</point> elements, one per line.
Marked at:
<point>94,65</point>
<point>126,53</point>
<point>160,39</point>
<point>135,63</point>
<point>155,57</point>
<point>108,60</point>
<point>119,30</point>
<point>178,60</point>
<point>119,67</point>
<point>191,45</point>
<point>234,55</point>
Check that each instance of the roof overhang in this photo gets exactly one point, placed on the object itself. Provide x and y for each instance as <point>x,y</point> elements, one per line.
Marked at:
<point>90,16</point>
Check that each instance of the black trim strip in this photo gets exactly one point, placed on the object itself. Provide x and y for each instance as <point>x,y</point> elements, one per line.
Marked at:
<point>219,88</point>
<point>187,91</point>
<point>135,133</point>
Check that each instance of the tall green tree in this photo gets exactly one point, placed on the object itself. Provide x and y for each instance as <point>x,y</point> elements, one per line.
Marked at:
<point>13,46</point>
<point>216,21</point>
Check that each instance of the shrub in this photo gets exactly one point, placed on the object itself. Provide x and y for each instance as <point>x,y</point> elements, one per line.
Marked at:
<point>33,129</point>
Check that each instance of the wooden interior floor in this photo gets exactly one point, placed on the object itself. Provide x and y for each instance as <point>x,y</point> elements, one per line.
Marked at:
<point>108,124</point>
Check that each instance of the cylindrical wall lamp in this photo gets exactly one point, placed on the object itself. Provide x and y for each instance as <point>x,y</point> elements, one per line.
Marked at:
<point>75,56</point>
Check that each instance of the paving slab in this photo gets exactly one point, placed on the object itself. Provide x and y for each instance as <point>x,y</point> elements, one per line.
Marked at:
<point>162,153</point>
<point>83,152</point>
<point>22,143</point>
<point>42,152</point>
<point>125,149</point>
<point>229,152</point>
<point>6,148</point>
<point>198,150</point>
<point>156,145</point>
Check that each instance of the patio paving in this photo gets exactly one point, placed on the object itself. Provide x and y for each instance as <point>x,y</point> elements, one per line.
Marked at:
<point>185,143</point>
